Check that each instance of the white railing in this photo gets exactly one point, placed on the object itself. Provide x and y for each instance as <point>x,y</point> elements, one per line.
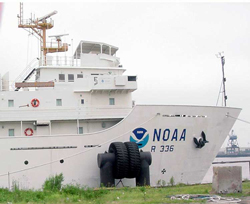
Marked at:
<point>65,113</point>
<point>53,44</point>
<point>60,61</point>
<point>33,21</point>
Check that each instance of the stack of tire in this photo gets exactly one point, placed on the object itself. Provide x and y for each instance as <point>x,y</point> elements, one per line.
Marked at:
<point>124,160</point>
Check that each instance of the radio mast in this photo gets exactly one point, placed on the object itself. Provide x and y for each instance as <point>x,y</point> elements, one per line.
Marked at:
<point>222,57</point>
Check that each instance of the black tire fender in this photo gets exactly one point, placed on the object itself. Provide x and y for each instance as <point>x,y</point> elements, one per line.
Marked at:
<point>134,159</point>
<point>121,165</point>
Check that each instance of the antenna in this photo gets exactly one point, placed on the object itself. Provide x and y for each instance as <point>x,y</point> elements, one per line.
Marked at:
<point>51,36</point>
<point>222,57</point>
<point>58,37</point>
<point>39,27</point>
<point>46,16</point>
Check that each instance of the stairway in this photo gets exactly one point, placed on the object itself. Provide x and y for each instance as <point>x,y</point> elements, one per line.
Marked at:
<point>27,72</point>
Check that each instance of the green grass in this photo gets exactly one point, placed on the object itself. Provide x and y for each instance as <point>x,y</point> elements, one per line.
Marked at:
<point>56,193</point>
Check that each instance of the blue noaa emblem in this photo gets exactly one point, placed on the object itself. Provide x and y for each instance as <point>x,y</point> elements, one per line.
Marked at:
<point>140,137</point>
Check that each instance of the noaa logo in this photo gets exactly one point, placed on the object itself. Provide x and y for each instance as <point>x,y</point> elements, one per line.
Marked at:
<point>140,136</point>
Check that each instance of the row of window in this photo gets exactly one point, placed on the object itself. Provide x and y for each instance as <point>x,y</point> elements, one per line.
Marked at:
<point>59,102</point>
<point>12,131</point>
<point>71,77</point>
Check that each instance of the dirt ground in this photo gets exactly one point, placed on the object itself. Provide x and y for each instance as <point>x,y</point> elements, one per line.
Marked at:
<point>245,200</point>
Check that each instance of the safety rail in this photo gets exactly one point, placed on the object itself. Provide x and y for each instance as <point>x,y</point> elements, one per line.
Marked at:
<point>32,21</point>
<point>53,44</point>
<point>24,21</point>
<point>25,112</point>
<point>60,61</point>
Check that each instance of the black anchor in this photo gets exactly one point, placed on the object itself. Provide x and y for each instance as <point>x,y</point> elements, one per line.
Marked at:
<point>201,142</point>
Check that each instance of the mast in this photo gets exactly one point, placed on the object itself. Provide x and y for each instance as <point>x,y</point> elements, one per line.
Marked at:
<point>224,80</point>
<point>222,57</point>
<point>39,27</point>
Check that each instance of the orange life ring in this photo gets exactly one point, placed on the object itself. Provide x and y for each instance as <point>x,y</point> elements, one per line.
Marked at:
<point>35,102</point>
<point>28,132</point>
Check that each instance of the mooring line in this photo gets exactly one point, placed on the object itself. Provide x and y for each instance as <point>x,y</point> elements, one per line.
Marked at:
<point>238,119</point>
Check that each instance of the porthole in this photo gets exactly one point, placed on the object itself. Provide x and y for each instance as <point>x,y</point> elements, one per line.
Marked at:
<point>61,161</point>
<point>26,162</point>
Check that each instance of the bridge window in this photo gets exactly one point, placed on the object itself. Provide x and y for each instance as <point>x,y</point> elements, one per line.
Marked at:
<point>61,78</point>
<point>131,78</point>
<point>70,77</point>
<point>79,76</point>
<point>82,101</point>
<point>11,103</point>
<point>58,102</point>
<point>111,101</point>
<point>11,132</point>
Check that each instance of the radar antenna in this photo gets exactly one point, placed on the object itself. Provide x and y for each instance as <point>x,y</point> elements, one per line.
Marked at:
<point>46,16</point>
<point>58,39</point>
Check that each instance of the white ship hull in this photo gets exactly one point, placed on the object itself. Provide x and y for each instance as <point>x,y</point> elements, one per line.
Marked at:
<point>171,130</point>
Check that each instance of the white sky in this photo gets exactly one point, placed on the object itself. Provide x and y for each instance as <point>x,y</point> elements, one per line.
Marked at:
<point>171,47</point>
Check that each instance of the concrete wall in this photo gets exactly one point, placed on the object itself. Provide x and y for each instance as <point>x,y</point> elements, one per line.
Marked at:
<point>227,179</point>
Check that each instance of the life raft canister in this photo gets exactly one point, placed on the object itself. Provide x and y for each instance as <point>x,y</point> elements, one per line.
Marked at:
<point>35,102</point>
<point>28,132</point>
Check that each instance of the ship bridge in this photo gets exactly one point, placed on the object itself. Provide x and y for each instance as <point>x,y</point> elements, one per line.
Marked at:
<point>96,54</point>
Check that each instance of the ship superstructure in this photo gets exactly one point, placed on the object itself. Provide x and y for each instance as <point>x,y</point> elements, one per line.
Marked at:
<point>76,94</point>
<point>83,93</point>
